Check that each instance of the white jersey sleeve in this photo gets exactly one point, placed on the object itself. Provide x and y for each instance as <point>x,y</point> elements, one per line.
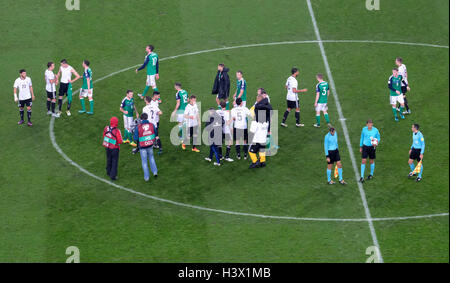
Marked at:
<point>291,83</point>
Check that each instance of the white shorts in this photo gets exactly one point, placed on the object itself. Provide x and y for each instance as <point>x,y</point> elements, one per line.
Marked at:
<point>321,107</point>
<point>395,99</point>
<point>128,123</point>
<point>180,118</point>
<point>151,80</point>
<point>85,93</point>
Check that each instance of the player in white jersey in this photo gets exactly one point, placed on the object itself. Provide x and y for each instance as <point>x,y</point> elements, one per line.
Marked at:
<point>50,87</point>
<point>26,95</point>
<point>153,113</point>
<point>405,86</point>
<point>192,119</point>
<point>292,98</point>
<point>65,87</point>
<point>226,131</point>
<point>239,115</point>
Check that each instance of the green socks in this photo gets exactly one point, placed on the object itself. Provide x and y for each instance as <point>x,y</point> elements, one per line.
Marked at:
<point>318,120</point>
<point>145,90</point>
<point>91,106</point>
<point>83,107</point>
<point>327,118</point>
<point>394,111</point>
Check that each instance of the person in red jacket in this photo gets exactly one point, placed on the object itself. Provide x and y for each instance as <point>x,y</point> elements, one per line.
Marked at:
<point>112,138</point>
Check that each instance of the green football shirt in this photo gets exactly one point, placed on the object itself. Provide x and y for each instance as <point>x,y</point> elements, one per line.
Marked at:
<point>87,74</point>
<point>396,84</point>
<point>241,85</point>
<point>152,63</point>
<point>182,95</point>
<point>128,105</point>
<point>322,88</point>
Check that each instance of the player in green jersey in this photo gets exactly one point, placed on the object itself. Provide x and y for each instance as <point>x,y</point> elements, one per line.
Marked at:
<point>182,100</point>
<point>87,89</point>
<point>152,64</point>
<point>395,88</point>
<point>128,108</point>
<point>241,89</point>
<point>322,93</point>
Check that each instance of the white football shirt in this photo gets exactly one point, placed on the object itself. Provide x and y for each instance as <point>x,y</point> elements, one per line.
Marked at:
<point>226,117</point>
<point>191,110</point>
<point>66,74</point>
<point>24,87</point>
<point>239,115</point>
<point>49,75</point>
<point>156,103</point>
<point>152,111</point>
<point>402,71</point>
<point>291,83</point>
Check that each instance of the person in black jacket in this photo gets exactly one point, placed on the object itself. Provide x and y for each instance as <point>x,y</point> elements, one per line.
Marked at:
<point>214,128</point>
<point>221,85</point>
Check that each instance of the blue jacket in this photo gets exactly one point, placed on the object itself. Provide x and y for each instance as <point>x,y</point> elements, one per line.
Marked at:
<point>330,142</point>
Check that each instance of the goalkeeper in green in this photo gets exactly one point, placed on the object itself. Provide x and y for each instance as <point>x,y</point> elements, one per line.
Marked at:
<point>152,64</point>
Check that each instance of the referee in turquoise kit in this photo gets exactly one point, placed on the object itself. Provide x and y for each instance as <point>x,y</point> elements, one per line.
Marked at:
<point>416,152</point>
<point>332,155</point>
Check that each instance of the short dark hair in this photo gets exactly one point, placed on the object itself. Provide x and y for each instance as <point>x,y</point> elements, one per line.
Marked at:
<point>261,89</point>
<point>192,96</point>
<point>294,70</point>
<point>369,121</point>
<point>320,76</point>
<point>221,64</point>
<point>86,62</point>
<point>399,59</point>
<point>148,99</point>
<point>156,92</point>
<point>178,84</point>
<point>238,101</point>
<point>240,72</point>
<point>416,126</point>
<point>128,91</point>
<point>151,47</point>
<point>21,71</point>
<point>223,104</point>
<point>64,61</point>
<point>144,116</point>
<point>49,64</point>
<point>395,69</point>
<point>332,129</point>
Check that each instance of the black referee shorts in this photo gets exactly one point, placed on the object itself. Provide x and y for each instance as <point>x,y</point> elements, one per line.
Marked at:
<point>334,156</point>
<point>257,147</point>
<point>368,151</point>
<point>415,154</point>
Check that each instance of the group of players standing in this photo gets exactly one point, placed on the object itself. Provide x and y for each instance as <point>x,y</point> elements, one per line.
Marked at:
<point>188,116</point>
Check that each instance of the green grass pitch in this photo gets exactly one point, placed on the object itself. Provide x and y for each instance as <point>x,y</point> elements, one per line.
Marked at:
<point>47,204</point>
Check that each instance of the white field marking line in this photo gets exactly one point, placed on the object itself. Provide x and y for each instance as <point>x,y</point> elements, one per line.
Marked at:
<point>70,161</point>
<point>345,130</point>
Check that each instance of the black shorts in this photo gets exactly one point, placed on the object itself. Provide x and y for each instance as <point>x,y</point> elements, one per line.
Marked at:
<point>26,102</point>
<point>404,89</point>
<point>51,94</point>
<point>334,156</point>
<point>192,131</point>
<point>239,134</point>
<point>257,147</point>
<point>292,104</point>
<point>63,88</point>
<point>368,151</point>
<point>415,154</point>
<point>156,129</point>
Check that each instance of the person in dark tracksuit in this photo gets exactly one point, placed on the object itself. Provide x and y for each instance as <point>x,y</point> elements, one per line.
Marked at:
<point>214,127</point>
<point>221,85</point>
<point>112,138</point>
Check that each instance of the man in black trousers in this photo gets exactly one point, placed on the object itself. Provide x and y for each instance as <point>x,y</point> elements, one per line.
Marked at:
<point>112,138</point>
<point>221,85</point>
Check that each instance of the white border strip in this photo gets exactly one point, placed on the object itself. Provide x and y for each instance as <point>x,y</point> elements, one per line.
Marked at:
<point>344,128</point>
<point>70,161</point>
